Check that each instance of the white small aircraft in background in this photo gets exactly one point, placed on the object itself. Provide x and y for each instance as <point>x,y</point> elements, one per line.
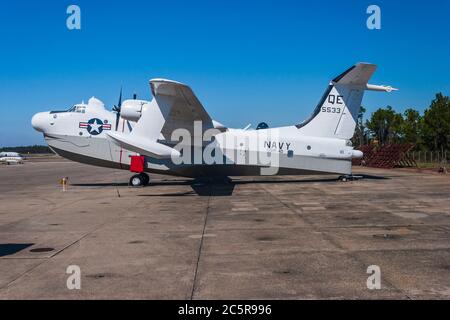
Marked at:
<point>11,158</point>
<point>139,135</point>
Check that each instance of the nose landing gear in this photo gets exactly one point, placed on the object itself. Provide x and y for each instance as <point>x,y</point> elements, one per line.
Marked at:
<point>139,180</point>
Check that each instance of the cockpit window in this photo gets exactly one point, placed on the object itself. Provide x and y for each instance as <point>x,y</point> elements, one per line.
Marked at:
<point>78,109</point>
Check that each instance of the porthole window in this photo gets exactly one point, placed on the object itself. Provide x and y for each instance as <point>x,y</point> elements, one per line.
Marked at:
<point>308,147</point>
<point>290,153</point>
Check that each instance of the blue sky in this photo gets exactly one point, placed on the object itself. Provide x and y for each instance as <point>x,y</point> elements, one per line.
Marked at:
<point>247,61</point>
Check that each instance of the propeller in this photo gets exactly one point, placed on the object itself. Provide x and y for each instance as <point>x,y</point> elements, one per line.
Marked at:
<point>117,108</point>
<point>119,105</point>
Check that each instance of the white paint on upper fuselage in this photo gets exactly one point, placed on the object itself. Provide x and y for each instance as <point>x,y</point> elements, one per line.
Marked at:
<point>285,139</point>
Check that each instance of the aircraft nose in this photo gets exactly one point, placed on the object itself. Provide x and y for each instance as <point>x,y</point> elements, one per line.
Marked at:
<point>40,121</point>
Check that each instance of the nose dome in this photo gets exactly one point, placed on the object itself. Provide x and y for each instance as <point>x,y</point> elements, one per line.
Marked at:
<point>40,121</point>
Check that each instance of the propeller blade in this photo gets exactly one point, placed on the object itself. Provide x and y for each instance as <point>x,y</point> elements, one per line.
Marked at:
<point>118,107</point>
<point>120,98</point>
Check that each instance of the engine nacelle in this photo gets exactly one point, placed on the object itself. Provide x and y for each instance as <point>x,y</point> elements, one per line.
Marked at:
<point>131,110</point>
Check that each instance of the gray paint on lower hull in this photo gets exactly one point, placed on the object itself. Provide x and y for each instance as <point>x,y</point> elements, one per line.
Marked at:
<point>100,152</point>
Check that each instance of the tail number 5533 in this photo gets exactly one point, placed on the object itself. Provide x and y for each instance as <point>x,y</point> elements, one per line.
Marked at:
<point>331,110</point>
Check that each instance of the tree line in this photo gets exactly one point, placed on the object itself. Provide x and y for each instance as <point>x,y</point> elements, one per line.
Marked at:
<point>36,149</point>
<point>429,131</point>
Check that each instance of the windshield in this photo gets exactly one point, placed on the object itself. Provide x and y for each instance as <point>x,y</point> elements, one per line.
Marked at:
<point>75,108</point>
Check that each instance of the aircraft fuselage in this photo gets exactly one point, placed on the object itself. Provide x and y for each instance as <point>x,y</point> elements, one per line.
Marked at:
<point>82,137</point>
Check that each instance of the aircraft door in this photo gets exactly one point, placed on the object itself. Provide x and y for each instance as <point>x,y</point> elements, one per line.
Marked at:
<point>242,150</point>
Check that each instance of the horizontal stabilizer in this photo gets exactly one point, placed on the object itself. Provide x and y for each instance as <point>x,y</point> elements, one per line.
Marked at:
<point>357,75</point>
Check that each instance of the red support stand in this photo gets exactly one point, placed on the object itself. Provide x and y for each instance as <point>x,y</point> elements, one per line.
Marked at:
<point>137,164</point>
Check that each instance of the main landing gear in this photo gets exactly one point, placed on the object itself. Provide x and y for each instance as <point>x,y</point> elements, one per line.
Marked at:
<point>139,180</point>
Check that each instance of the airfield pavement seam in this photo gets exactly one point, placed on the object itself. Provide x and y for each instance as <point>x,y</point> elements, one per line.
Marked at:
<point>333,242</point>
<point>6,285</point>
<point>201,245</point>
<point>47,259</point>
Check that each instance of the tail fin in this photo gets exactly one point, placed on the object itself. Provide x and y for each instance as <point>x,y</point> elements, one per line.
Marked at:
<point>337,112</point>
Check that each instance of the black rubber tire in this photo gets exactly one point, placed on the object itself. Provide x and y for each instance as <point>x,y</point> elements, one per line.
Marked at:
<point>145,178</point>
<point>137,181</point>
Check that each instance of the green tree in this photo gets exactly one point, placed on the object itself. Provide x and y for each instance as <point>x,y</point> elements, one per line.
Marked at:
<point>386,125</point>
<point>360,136</point>
<point>412,127</point>
<point>27,149</point>
<point>436,124</point>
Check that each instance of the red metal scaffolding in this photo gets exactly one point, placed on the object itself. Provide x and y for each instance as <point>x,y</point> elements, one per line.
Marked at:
<point>388,156</point>
<point>368,151</point>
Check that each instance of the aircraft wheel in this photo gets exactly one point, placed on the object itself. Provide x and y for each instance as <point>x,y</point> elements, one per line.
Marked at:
<point>145,177</point>
<point>137,180</point>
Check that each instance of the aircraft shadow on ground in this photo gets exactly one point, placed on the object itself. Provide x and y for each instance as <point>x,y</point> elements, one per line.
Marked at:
<point>7,249</point>
<point>198,189</point>
<point>220,189</point>
<point>105,184</point>
<point>217,189</point>
<point>124,184</point>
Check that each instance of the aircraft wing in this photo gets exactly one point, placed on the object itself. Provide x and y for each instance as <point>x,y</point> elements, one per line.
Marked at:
<point>180,106</point>
<point>174,106</point>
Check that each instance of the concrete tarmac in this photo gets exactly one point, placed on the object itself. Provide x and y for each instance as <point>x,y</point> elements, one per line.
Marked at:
<point>255,238</point>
